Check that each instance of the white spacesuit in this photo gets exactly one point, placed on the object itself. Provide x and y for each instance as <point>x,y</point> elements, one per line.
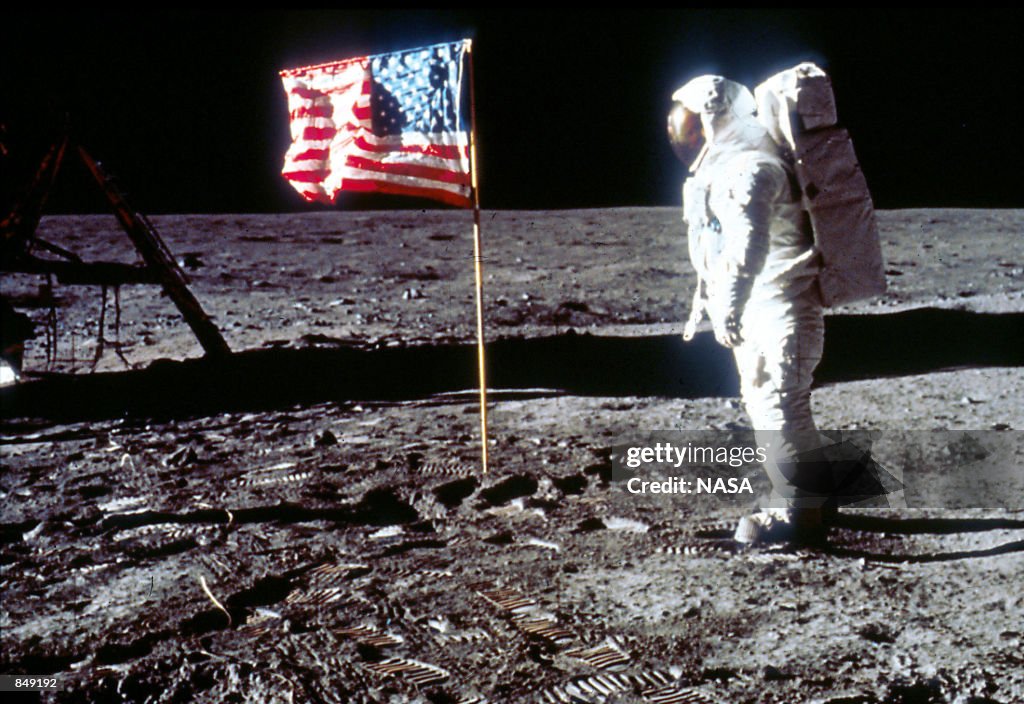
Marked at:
<point>754,254</point>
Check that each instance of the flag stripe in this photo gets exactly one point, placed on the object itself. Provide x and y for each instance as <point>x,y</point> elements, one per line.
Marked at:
<point>441,150</point>
<point>415,170</point>
<point>315,110</point>
<point>443,139</point>
<point>312,134</point>
<point>329,68</point>
<point>347,175</point>
<point>320,92</point>
<point>450,165</point>
<point>392,188</point>
<point>312,154</point>
<point>311,176</point>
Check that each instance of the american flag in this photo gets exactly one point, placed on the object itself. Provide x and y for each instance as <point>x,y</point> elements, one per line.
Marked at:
<point>389,123</point>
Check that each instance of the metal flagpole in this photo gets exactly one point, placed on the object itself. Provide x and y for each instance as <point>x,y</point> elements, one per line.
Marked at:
<point>478,260</point>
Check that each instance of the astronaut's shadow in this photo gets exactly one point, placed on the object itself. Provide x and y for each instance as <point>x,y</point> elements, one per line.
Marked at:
<point>857,347</point>
<point>916,341</point>
<point>841,546</point>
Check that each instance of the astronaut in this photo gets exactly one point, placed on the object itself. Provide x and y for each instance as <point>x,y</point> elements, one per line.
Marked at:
<point>753,250</point>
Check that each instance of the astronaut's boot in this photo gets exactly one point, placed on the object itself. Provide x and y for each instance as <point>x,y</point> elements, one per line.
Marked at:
<point>783,525</point>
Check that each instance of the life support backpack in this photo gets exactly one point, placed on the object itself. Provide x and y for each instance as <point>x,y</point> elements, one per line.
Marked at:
<point>797,107</point>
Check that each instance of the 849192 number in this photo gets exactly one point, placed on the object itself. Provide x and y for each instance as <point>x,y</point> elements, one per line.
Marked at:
<point>23,683</point>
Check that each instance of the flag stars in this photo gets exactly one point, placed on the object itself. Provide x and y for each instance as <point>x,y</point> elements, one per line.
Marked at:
<point>412,92</point>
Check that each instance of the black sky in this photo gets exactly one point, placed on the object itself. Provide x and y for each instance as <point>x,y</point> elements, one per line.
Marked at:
<point>188,110</point>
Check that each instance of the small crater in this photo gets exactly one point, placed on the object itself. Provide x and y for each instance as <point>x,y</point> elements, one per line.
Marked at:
<point>264,592</point>
<point>876,633</point>
<point>721,674</point>
<point>602,470</point>
<point>116,653</point>
<point>94,491</point>
<point>572,484</point>
<point>45,664</point>
<point>453,493</point>
<point>211,620</point>
<point>505,537</point>
<point>590,525</point>
<point>412,545</point>
<point>381,507</point>
<point>508,489</point>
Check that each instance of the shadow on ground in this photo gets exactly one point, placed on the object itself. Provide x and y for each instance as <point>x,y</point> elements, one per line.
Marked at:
<point>894,557</point>
<point>843,541</point>
<point>918,526</point>
<point>857,347</point>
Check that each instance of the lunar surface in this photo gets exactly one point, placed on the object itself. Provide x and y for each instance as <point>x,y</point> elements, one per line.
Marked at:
<point>308,520</point>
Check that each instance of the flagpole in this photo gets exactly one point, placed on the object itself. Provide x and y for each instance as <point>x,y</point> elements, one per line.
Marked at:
<point>478,261</point>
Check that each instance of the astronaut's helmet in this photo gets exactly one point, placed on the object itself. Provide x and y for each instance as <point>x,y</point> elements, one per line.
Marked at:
<point>685,133</point>
<point>696,107</point>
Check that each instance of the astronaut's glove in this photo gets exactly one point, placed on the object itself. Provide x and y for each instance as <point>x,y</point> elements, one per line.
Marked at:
<point>697,311</point>
<point>690,329</point>
<point>727,331</point>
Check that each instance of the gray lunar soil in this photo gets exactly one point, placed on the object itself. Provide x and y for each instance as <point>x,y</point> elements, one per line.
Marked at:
<point>309,522</point>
